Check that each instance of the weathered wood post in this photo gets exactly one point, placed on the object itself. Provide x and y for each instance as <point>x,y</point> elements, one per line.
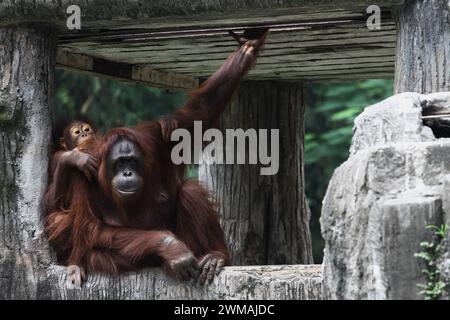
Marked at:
<point>423,47</point>
<point>265,218</point>
<point>27,61</point>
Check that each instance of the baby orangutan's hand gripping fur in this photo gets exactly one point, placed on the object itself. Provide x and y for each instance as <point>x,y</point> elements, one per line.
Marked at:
<point>142,211</point>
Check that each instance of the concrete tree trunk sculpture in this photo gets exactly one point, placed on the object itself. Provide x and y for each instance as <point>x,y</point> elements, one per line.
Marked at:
<point>27,59</point>
<point>423,47</point>
<point>265,217</point>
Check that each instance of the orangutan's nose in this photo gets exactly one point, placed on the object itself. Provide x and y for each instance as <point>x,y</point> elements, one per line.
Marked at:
<point>127,173</point>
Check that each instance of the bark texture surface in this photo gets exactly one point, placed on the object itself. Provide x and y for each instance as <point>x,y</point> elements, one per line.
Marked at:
<point>27,59</point>
<point>423,47</point>
<point>265,218</point>
<point>295,282</point>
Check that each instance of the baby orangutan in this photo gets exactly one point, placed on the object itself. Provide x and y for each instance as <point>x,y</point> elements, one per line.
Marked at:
<point>77,136</point>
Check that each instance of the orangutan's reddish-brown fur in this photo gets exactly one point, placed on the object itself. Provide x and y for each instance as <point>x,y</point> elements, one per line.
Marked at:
<point>58,221</point>
<point>89,227</point>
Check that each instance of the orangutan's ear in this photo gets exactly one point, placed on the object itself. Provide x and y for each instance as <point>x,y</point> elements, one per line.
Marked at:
<point>62,143</point>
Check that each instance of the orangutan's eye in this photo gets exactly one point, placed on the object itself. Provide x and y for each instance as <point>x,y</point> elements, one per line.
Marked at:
<point>77,131</point>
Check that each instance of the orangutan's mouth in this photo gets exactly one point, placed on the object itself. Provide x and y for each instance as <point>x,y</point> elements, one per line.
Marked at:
<point>127,192</point>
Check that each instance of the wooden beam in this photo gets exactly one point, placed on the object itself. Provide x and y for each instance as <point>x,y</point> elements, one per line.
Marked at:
<point>96,13</point>
<point>125,72</point>
<point>134,41</point>
<point>282,282</point>
<point>289,54</point>
<point>190,38</point>
<point>214,27</point>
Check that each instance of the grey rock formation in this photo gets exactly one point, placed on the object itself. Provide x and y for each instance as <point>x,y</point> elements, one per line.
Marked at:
<point>379,201</point>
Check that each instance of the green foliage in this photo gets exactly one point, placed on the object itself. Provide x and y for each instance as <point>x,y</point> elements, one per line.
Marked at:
<point>331,110</point>
<point>432,289</point>
<point>108,103</point>
<point>192,171</point>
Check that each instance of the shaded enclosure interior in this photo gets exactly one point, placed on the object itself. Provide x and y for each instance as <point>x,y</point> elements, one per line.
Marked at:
<point>330,110</point>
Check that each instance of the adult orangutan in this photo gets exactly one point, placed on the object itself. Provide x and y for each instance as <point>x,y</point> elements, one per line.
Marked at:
<point>142,211</point>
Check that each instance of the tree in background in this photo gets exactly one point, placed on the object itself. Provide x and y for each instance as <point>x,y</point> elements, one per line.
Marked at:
<point>331,109</point>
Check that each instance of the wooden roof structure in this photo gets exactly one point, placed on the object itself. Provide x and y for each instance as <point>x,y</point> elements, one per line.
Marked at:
<point>176,43</point>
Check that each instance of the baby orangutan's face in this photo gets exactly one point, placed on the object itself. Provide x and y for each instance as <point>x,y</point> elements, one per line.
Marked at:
<point>80,132</point>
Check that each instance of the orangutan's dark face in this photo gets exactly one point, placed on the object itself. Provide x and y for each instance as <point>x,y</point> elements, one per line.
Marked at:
<point>125,170</point>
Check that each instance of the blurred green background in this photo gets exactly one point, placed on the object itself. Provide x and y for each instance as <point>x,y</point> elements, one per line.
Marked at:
<point>331,109</point>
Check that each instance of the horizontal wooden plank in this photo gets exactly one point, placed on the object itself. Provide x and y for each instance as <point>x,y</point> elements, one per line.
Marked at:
<point>218,27</point>
<point>330,59</point>
<point>243,19</point>
<point>347,32</point>
<point>367,72</point>
<point>271,60</point>
<point>162,28</point>
<point>161,57</point>
<point>125,72</point>
<point>354,77</point>
<point>336,70</point>
<point>217,30</point>
<point>332,77</point>
<point>103,13</point>
<point>293,282</point>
